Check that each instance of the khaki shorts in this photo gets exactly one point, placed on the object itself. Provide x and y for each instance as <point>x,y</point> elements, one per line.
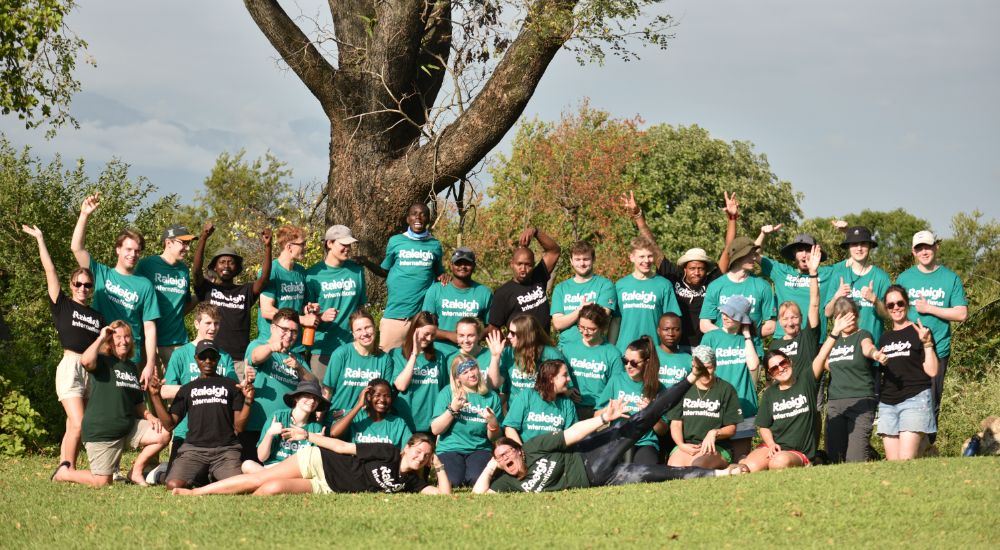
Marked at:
<point>72,380</point>
<point>311,468</point>
<point>392,333</point>
<point>105,455</point>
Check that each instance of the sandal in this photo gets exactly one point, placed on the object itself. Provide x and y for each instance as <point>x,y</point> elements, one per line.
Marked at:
<point>63,464</point>
<point>738,469</point>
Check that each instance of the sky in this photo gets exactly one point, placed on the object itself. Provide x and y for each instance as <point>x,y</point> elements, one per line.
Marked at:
<point>859,104</point>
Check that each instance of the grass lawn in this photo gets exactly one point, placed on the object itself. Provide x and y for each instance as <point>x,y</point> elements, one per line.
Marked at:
<point>935,502</point>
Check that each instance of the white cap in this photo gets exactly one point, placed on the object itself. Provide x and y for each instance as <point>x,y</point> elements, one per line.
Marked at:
<point>924,237</point>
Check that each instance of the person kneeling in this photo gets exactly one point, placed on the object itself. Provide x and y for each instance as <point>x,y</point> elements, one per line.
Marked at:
<point>574,458</point>
<point>217,408</point>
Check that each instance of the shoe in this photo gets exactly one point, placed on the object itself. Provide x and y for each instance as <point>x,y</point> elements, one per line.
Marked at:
<point>117,476</point>
<point>63,464</point>
<point>157,475</point>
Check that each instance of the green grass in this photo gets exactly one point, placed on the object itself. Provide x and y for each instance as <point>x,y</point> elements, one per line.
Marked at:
<point>935,502</point>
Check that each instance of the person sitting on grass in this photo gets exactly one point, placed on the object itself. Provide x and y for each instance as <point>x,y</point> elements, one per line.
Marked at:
<point>545,408</point>
<point>287,431</point>
<point>372,420</point>
<point>116,415</point>
<point>217,408</point>
<point>787,418</point>
<point>702,423</point>
<point>574,458</point>
<point>335,466</point>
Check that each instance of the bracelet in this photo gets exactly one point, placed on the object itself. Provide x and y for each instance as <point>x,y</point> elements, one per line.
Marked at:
<point>814,275</point>
<point>604,419</point>
<point>733,216</point>
<point>452,411</point>
<point>928,345</point>
<point>834,336</point>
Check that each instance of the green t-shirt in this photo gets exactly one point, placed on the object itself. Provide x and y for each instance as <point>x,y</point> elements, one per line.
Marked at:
<point>467,432</point>
<point>641,303</point>
<point>731,366</point>
<point>629,392</point>
<point>867,319</point>
<point>753,288</point>
<point>342,288</point>
<point>173,291</point>
<point>284,448</point>
<point>569,294</point>
<point>941,288</point>
<point>130,298</point>
<point>274,379</point>
<point>852,374</point>
<point>514,379</point>
<point>416,404</point>
<point>412,265</point>
<point>451,304</point>
<point>532,416</point>
<point>801,350</point>
<point>590,368</point>
<point>791,415</point>
<point>674,367</point>
<point>551,467</point>
<point>288,289</point>
<point>704,410</point>
<point>115,391</point>
<point>391,429</point>
<point>348,372</point>
<point>792,285</point>
<point>183,368</point>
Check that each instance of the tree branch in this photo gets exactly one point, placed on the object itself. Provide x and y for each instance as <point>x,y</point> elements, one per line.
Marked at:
<point>296,49</point>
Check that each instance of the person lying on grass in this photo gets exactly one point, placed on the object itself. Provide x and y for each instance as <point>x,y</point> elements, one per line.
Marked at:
<point>112,417</point>
<point>335,466</point>
<point>217,408</point>
<point>574,458</point>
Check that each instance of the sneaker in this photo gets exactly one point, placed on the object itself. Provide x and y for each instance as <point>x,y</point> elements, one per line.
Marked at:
<point>117,476</point>
<point>157,475</point>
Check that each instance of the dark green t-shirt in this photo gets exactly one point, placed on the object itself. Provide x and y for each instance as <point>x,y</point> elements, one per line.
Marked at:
<point>791,415</point>
<point>551,467</point>
<point>704,410</point>
<point>801,350</point>
<point>115,391</point>
<point>851,373</point>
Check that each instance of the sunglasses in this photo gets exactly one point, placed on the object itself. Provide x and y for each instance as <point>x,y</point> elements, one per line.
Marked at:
<point>511,334</point>
<point>781,365</point>
<point>209,356</point>
<point>633,363</point>
<point>78,284</point>
<point>894,305</point>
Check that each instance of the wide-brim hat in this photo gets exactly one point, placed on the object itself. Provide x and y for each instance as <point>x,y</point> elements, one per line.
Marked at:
<point>227,251</point>
<point>737,308</point>
<point>308,387</point>
<point>695,255</point>
<point>740,247</point>
<point>858,234</point>
<point>802,239</point>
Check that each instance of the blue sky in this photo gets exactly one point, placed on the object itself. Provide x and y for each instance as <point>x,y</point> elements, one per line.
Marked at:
<point>859,104</point>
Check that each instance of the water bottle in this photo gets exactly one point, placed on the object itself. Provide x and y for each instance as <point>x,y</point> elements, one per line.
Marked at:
<point>972,449</point>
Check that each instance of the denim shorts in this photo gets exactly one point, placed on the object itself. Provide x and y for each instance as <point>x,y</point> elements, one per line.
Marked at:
<point>916,414</point>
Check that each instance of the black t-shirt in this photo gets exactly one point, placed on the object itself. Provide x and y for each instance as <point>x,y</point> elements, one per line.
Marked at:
<point>209,404</point>
<point>234,304</point>
<point>528,297</point>
<point>689,299</point>
<point>374,469</point>
<point>903,374</point>
<point>77,325</point>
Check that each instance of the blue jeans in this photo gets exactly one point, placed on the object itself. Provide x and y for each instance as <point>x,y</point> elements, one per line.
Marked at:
<point>464,468</point>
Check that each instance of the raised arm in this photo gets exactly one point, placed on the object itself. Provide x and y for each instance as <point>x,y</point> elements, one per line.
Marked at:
<point>550,248</point>
<point>812,316</point>
<point>931,364</point>
<point>265,268</point>
<point>405,376</point>
<point>575,433</point>
<point>197,269</point>
<point>341,426</point>
<point>633,210</point>
<point>753,360</point>
<point>88,359</point>
<point>766,230</point>
<point>80,231</point>
<point>443,483</point>
<point>496,342</point>
<point>820,362</point>
<point>51,278</point>
<point>301,371</point>
<point>444,420</point>
<point>168,419</point>
<point>241,416</point>
<point>732,210</point>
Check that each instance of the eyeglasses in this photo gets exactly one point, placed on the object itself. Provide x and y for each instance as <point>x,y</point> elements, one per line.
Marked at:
<point>894,305</point>
<point>586,330</point>
<point>80,284</point>
<point>632,362</point>
<point>287,330</point>
<point>299,243</point>
<point>783,364</point>
<point>510,452</point>
<point>511,334</point>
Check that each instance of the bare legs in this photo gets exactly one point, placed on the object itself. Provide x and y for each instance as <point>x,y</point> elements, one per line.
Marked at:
<point>70,447</point>
<point>905,446</point>
<point>758,460</point>
<point>285,477</point>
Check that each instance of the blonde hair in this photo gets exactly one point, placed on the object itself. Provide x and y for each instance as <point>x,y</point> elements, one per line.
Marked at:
<point>481,387</point>
<point>107,348</point>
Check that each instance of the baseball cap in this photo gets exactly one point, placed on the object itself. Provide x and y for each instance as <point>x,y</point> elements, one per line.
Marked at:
<point>463,253</point>
<point>341,234</point>
<point>924,237</point>
<point>179,232</point>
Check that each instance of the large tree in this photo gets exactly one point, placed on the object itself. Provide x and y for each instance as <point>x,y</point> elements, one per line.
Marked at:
<point>419,91</point>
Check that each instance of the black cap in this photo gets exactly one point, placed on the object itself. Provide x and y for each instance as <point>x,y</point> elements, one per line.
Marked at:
<point>858,234</point>
<point>205,345</point>
<point>463,253</point>
<point>802,239</point>
<point>310,387</point>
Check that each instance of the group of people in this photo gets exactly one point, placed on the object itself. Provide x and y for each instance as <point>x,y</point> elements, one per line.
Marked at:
<point>649,378</point>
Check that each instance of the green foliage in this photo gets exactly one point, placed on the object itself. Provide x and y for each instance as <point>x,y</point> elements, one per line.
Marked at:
<point>49,196</point>
<point>894,232</point>
<point>930,503</point>
<point>680,181</point>
<point>20,425</point>
<point>37,58</point>
<point>974,247</point>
